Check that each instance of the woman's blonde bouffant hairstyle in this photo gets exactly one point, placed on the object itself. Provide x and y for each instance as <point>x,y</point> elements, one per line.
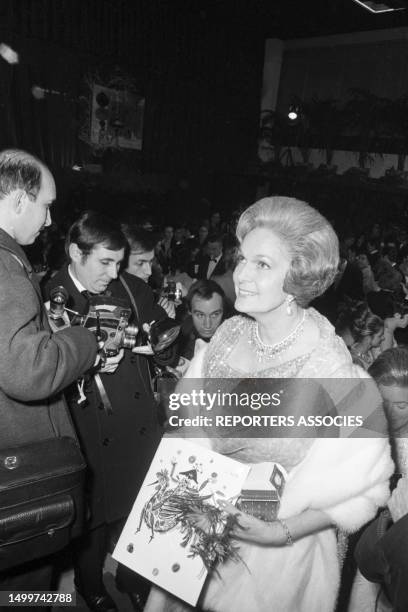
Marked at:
<point>309,238</point>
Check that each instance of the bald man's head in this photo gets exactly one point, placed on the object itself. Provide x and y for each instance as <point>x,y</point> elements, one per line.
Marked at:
<point>19,170</point>
<point>27,190</point>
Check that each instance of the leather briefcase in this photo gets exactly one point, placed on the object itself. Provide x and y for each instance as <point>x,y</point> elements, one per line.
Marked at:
<point>41,499</point>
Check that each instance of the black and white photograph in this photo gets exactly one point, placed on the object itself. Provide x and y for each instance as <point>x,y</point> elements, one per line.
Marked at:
<point>204,305</point>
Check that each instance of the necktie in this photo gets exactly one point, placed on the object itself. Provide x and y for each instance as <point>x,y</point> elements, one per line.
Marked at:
<point>87,295</point>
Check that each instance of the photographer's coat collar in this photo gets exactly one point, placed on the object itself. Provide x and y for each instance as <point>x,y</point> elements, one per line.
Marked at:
<point>11,245</point>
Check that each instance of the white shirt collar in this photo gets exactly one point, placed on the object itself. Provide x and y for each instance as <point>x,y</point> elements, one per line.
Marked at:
<point>76,282</point>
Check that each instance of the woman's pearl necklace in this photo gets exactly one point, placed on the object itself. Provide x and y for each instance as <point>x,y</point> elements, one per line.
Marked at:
<point>270,351</point>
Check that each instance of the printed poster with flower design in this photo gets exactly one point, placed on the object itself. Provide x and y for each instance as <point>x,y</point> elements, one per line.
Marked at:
<point>161,539</point>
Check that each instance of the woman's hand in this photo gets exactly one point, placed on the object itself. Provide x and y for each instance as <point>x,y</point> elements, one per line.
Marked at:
<point>251,529</point>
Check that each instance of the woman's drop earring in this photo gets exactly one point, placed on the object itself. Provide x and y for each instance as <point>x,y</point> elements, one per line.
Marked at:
<point>289,309</point>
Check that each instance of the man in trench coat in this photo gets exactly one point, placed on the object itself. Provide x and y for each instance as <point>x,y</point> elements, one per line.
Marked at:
<point>35,365</point>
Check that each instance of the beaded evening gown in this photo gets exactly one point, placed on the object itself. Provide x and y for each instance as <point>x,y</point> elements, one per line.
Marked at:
<point>330,475</point>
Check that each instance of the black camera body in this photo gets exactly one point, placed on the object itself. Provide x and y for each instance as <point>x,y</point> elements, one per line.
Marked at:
<point>172,292</point>
<point>107,317</point>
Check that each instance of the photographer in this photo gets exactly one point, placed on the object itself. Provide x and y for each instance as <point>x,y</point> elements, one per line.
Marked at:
<point>117,425</point>
<point>36,365</point>
<point>207,307</point>
<point>141,261</point>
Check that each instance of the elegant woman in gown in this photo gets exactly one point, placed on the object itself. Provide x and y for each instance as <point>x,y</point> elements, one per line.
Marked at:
<point>288,256</point>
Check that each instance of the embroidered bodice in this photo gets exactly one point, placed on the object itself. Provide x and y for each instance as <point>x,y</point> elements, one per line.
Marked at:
<point>329,359</point>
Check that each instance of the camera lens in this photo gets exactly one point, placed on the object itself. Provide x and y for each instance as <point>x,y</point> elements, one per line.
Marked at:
<point>129,336</point>
<point>58,299</point>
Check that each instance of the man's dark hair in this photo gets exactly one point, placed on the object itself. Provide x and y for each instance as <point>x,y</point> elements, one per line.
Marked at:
<point>391,367</point>
<point>19,170</point>
<point>139,239</point>
<point>215,238</point>
<point>94,228</point>
<point>205,289</point>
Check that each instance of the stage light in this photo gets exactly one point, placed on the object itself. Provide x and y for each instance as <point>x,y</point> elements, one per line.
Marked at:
<point>39,93</point>
<point>379,6</point>
<point>293,113</point>
<point>8,54</point>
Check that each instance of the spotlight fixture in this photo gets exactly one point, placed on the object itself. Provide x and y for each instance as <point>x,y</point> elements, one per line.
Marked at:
<point>293,113</point>
<point>40,93</point>
<point>379,6</point>
<point>8,54</point>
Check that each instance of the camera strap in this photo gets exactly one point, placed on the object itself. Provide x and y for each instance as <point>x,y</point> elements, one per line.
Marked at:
<point>107,404</point>
<point>138,320</point>
<point>132,299</point>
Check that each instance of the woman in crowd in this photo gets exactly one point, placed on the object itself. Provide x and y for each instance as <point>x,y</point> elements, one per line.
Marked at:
<point>363,263</point>
<point>225,280</point>
<point>403,265</point>
<point>371,335</point>
<point>390,372</point>
<point>288,256</point>
<point>368,332</point>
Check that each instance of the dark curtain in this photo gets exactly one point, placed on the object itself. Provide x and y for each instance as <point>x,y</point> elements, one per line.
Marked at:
<point>198,63</point>
<point>48,126</point>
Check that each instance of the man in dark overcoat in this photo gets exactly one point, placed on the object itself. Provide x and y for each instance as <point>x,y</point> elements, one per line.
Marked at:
<point>118,424</point>
<point>35,365</point>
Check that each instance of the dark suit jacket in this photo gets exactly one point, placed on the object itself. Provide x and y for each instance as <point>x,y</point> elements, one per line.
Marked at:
<point>187,338</point>
<point>36,365</point>
<point>382,556</point>
<point>118,447</point>
<point>382,303</point>
<point>203,267</point>
<point>351,283</point>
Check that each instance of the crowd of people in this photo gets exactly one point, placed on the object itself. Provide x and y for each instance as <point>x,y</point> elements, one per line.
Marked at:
<point>266,295</point>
